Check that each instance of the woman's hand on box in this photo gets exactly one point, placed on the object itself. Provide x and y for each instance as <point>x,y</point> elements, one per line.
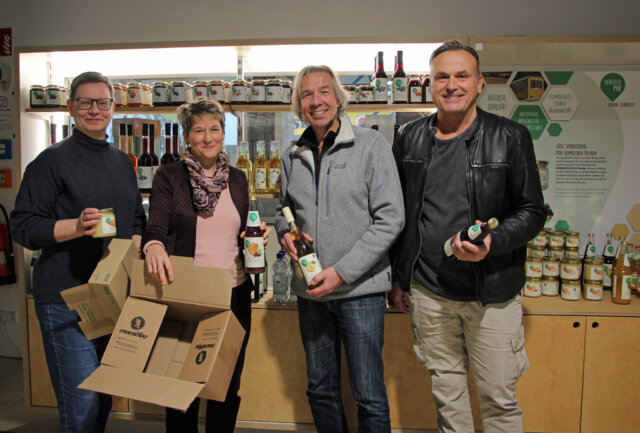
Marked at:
<point>158,264</point>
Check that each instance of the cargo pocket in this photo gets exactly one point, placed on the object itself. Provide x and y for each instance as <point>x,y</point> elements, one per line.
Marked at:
<point>521,362</point>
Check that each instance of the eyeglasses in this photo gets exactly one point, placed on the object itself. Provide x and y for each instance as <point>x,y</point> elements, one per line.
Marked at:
<point>104,104</point>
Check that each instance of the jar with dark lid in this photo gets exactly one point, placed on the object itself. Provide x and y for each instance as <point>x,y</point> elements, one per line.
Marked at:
<point>134,95</point>
<point>180,92</point>
<point>258,92</point>
<point>286,92</point>
<point>200,89</point>
<point>416,95</point>
<point>53,96</point>
<point>365,94</point>
<point>161,94</point>
<point>239,92</point>
<point>426,82</point>
<point>120,94</point>
<point>352,91</point>
<point>37,96</point>
<point>216,90</point>
<point>273,91</point>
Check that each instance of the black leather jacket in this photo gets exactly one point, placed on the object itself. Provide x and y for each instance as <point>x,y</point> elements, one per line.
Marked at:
<point>502,181</point>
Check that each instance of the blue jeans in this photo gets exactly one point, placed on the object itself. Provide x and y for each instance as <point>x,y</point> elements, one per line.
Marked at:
<point>71,358</point>
<point>359,324</point>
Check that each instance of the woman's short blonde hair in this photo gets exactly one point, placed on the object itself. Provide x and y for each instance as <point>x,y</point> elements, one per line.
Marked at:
<point>341,94</point>
<point>201,106</point>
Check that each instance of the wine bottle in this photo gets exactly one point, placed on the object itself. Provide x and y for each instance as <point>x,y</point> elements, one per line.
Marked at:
<point>253,242</point>
<point>167,158</point>
<point>399,83</point>
<point>145,163</point>
<point>307,259</point>
<point>132,157</point>
<point>474,234</point>
<point>379,81</point>
<point>152,152</point>
<point>175,139</point>
<point>122,138</point>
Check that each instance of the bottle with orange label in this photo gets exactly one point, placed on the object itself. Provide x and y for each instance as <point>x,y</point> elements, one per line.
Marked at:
<point>254,262</point>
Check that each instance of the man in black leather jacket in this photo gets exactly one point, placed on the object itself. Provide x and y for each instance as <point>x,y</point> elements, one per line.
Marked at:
<point>459,167</point>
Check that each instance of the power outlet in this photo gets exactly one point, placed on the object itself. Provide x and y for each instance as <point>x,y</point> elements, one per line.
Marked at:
<point>8,316</point>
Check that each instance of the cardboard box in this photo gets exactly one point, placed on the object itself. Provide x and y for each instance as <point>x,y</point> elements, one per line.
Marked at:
<point>99,302</point>
<point>172,343</point>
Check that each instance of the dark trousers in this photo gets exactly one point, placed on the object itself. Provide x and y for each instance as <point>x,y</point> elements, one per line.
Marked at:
<point>221,416</point>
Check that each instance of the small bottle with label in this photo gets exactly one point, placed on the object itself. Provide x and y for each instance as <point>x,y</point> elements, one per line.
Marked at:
<point>244,161</point>
<point>260,169</point>
<point>273,169</point>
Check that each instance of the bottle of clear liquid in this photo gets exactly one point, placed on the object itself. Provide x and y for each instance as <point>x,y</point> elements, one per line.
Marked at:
<point>280,278</point>
<point>307,259</point>
<point>291,295</point>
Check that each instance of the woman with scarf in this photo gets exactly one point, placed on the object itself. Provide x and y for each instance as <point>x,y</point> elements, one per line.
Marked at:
<point>198,208</point>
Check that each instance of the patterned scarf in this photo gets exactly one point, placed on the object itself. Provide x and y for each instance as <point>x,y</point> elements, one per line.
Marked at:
<point>206,190</point>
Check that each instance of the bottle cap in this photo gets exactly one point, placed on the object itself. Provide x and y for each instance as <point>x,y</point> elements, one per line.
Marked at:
<point>287,214</point>
<point>493,223</point>
<point>280,254</point>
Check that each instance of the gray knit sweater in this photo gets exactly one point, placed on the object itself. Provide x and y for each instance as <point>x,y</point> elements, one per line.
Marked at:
<point>74,174</point>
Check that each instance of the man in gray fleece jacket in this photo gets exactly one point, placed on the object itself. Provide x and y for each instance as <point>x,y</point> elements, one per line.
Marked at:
<point>342,186</point>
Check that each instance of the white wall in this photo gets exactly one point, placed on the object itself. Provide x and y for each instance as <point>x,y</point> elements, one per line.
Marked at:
<point>71,22</point>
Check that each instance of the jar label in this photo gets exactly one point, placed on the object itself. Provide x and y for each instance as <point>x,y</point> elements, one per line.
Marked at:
<point>534,270</point>
<point>415,95</point>
<point>286,95</point>
<point>532,289</point>
<point>254,252</point>
<point>594,272</point>
<point>145,177</point>
<point>550,288</point>
<point>365,96</point>
<point>200,92</point>
<point>108,223</point>
<point>572,242</point>
<point>379,89</point>
<point>53,97</point>
<point>257,94</point>
<point>217,92</point>
<point>160,95</point>
<point>310,266</point>
<point>625,287</point>
<point>551,269</point>
<point>134,96</point>
<point>569,272</point>
<point>37,97</point>
<point>238,94</point>
<point>245,171</point>
<point>570,292</point>
<point>399,90</point>
<point>260,179</point>
<point>274,94</point>
<point>592,292</point>
<point>179,94</point>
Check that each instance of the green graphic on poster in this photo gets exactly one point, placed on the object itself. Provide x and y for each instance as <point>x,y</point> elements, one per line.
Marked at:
<point>532,117</point>
<point>612,85</point>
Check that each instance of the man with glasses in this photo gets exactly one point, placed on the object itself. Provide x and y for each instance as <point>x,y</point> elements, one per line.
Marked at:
<point>56,210</point>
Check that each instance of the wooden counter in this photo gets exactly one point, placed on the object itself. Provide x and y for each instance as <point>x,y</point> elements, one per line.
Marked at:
<point>584,373</point>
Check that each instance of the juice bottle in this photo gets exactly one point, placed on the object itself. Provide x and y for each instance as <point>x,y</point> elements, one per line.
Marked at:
<point>253,242</point>
<point>244,162</point>
<point>260,169</point>
<point>307,259</point>
<point>622,277</point>
<point>273,169</point>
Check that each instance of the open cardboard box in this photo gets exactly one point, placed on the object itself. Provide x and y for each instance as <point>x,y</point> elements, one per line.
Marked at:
<point>172,343</point>
<point>99,302</point>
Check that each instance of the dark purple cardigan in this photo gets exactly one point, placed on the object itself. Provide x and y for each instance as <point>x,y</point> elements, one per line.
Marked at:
<point>172,216</point>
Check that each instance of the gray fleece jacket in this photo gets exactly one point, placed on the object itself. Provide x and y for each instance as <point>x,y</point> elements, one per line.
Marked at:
<point>353,215</point>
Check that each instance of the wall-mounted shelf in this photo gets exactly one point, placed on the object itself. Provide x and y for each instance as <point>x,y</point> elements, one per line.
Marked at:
<point>256,108</point>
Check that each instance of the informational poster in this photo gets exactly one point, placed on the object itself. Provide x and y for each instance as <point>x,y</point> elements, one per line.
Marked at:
<point>586,128</point>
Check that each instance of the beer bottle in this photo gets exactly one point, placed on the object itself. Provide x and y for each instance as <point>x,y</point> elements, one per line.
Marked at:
<point>474,234</point>
<point>307,259</point>
<point>622,277</point>
<point>253,242</point>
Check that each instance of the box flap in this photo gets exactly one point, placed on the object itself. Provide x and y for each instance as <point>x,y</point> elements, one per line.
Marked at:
<point>134,334</point>
<point>191,284</point>
<point>163,391</point>
<point>96,309</point>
